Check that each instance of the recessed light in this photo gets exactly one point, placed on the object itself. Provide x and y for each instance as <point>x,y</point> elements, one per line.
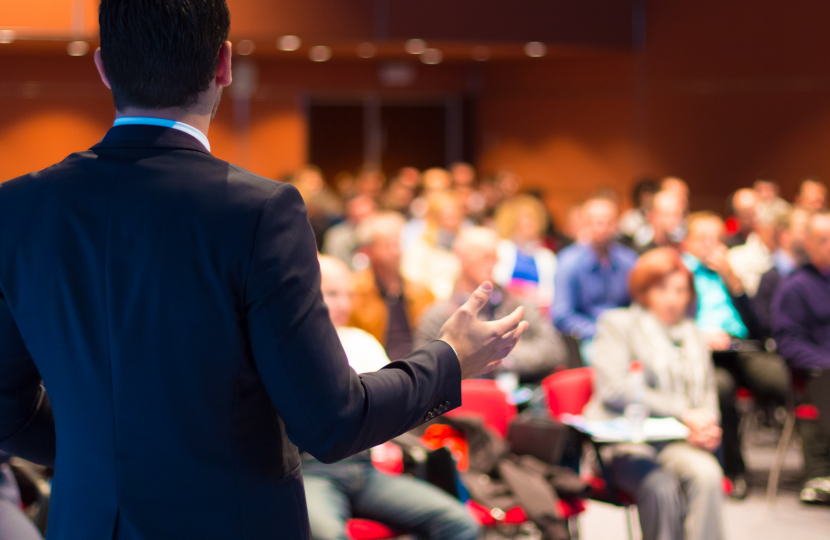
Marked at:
<point>415,46</point>
<point>432,56</point>
<point>319,53</point>
<point>289,43</point>
<point>245,47</point>
<point>367,50</point>
<point>536,49</point>
<point>77,48</point>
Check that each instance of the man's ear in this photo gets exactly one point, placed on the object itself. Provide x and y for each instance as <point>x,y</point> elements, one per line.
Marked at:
<point>223,69</point>
<point>100,65</point>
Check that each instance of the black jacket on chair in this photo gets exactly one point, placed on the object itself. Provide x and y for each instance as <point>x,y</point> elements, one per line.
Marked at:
<point>171,304</point>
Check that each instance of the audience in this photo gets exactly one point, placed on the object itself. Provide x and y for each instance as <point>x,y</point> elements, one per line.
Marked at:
<point>525,266</point>
<point>353,487</point>
<point>744,209</point>
<point>754,257</point>
<point>731,329</point>
<point>385,304</point>
<point>592,277</point>
<point>770,204</point>
<point>812,195</point>
<point>790,233</point>
<point>677,486</point>
<point>428,260</point>
<point>678,187</point>
<point>540,350</point>
<point>801,326</point>
<point>340,241</point>
<point>664,224</point>
<point>634,219</point>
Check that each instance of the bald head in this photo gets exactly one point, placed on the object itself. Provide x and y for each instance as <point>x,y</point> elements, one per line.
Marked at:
<point>744,205</point>
<point>812,195</point>
<point>476,251</point>
<point>666,215</point>
<point>336,286</point>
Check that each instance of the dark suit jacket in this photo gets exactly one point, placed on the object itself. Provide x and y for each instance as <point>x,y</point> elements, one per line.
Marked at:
<point>171,303</point>
<point>763,298</point>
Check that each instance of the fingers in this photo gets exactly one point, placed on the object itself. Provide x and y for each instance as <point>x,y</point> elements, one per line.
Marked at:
<point>479,298</point>
<point>509,340</point>
<point>509,323</point>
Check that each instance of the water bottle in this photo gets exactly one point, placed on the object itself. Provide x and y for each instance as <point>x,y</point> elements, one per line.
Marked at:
<point>635,411</point>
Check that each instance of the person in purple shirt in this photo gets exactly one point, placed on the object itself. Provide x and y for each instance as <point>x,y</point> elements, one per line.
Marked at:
<point>593,277</point>
<point>801,327</point>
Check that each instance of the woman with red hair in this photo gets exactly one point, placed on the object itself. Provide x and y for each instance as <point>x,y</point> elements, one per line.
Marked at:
<point>676,485</point>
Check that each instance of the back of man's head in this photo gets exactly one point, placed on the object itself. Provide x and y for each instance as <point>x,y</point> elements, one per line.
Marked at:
<point>161,54</point>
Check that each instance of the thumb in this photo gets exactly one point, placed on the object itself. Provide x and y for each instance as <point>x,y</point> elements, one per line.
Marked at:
<point>479,298</point>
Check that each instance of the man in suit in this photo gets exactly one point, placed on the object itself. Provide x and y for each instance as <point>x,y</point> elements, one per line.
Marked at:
<point>171,303</point>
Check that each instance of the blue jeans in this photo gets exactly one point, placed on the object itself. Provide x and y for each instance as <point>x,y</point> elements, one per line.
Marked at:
<point>14,525</point>
<point>353,488</point>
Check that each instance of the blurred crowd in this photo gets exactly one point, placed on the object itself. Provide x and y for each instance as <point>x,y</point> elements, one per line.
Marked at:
<point>704,305</point>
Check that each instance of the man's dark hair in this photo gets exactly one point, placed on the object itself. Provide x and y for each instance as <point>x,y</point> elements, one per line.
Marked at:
<point>161,53</point>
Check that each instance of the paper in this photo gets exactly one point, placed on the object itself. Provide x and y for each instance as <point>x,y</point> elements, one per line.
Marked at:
<point>617,430</point>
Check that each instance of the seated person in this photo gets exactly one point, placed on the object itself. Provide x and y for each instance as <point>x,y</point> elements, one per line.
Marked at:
<point>744,205</point>
<point>664,225</point>
<point>790,232</point>
<point>541,349</point>
<point>341,240</point>
<point>385,304</point>
<point>14,525</point>
<point>591,277</point>
<point>732,329</point>
<point>525,266</point>
<point>353,487</point>
<point>428,260</point>
<point>676,485</point>
<point>801,326</point>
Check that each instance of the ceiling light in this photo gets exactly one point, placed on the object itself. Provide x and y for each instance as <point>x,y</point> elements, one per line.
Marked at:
<point>289,43</point>
<point>319,53</point>
<point>480,53</point>
<point>77,48</point>
<point>7,36</point>
<point>432,56</point>
<point>245,47</point>
<point>367,50</point>
<point>536,49</point>
<point>415,46</point>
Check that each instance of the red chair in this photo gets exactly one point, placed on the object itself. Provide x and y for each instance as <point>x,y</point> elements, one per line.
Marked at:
<point>364,529</point>
<point>482,398</point>
<point>569,391</point>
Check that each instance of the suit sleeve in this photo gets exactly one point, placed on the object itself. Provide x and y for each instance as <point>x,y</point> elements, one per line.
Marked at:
<point>27,427</point>
<point>328,410</point>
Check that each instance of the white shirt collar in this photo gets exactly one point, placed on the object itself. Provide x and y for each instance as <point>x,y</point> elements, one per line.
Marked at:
<point>163,122</point>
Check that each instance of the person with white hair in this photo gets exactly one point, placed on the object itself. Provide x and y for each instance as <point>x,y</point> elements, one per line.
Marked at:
<point>353,487</point>
<point>387,305</point>
<point>541,349</point>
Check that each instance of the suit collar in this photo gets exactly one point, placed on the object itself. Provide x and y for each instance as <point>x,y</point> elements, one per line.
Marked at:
<point>146,136</point>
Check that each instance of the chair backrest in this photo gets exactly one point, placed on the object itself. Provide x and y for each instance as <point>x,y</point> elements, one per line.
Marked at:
<point>569,391</point>
<point>482,398</point>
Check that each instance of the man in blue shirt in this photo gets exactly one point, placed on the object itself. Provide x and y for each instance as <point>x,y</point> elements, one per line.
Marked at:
<point>733,332</point>
<point>593,277</point>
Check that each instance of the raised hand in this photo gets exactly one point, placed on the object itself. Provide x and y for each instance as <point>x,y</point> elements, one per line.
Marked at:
<point>480,344</point>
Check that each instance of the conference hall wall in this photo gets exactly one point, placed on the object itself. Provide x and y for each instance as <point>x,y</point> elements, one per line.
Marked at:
<point>719,93</point>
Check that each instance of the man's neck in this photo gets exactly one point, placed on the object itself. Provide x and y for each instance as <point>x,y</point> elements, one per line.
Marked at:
<point>190,117</point>
<point>602,251</point>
